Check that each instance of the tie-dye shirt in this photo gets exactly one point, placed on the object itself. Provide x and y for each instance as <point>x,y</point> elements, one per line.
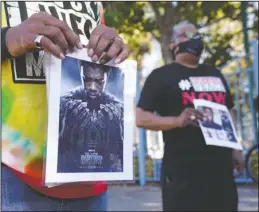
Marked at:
<point>24,98</point>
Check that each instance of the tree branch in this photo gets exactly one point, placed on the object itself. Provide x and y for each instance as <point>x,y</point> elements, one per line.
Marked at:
<point>154,8</point>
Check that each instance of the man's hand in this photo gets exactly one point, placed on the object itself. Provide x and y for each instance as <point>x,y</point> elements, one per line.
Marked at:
<point>189,116</point>
<point>105,39</point>
<point>57,38</point>
<point>238,161</point>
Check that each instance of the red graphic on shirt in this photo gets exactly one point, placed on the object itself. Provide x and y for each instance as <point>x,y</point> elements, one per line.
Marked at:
<point>218,97</point>
<point>208,88</point>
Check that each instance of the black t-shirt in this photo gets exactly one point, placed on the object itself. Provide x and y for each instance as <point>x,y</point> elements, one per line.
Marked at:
<point>168,91</point>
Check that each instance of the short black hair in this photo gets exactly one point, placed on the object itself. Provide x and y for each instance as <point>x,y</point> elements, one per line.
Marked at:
<point>93,65</point>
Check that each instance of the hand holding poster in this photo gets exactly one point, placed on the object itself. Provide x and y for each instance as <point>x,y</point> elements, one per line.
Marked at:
<point>217,128</point>
<point>90,105</point>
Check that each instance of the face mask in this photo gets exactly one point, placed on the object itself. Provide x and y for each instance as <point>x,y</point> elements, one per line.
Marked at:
<point>193,46</point>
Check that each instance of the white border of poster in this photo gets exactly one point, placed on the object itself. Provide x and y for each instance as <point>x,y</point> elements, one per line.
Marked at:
<point>213,140</point>
<point>53,67</point>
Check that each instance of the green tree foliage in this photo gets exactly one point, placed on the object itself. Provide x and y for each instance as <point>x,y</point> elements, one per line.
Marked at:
<point>128,18</point>
<point>220,23</point>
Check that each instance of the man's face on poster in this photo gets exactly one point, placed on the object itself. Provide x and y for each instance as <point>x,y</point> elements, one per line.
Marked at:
<point>208,114</point>
<point>94,79</point>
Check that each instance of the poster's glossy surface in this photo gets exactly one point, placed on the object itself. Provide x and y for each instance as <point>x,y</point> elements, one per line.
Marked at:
<point>90,119</point>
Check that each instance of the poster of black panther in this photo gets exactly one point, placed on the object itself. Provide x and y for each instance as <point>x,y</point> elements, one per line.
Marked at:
<point>90,137</point>
<point>217,126</point>
<point>91,118</point>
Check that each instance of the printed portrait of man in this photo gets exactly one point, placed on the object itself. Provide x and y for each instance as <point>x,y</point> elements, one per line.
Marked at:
<point>227,126</point>
<point>91,125</point>
<point>226,123</point>
<point>209,119</point>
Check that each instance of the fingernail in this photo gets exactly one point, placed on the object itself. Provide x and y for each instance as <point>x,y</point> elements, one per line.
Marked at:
<point>79,45</point>
<point>118,60</point>
<point>62,56</point>
<point>95,58</point>
<point>90,52</point>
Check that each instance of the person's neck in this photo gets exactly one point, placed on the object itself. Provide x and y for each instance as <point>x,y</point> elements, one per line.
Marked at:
<point>187,60</point>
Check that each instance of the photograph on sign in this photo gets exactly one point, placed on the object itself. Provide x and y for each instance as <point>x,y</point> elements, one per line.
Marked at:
<point>217,127</point>
<point>90,106</point>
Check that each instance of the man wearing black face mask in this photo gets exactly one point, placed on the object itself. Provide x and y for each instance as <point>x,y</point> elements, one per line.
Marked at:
<point>194,176</point>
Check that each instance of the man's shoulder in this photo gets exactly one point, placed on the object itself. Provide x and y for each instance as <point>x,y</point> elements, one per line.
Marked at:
<point>73,94</point>
<point>169,66</point>
<point>160,72</point>
<point>211,68</point>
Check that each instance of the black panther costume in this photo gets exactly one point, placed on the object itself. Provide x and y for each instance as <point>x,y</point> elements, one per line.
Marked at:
<point>90,133</point>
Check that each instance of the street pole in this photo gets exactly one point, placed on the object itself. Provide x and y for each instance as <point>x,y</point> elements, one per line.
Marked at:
<point>251,75</point>
<point>245,28</point>
<point>142,141</point>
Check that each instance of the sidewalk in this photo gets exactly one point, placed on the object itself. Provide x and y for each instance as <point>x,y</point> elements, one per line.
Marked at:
<point>134,198</point>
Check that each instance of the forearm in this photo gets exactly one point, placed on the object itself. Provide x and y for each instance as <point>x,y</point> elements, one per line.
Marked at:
<point>4,51</point>
<point>154,122</point>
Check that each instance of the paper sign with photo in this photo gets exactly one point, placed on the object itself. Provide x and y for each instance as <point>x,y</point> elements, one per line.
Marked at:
<point>218,128</point>
<point>90,106</point>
